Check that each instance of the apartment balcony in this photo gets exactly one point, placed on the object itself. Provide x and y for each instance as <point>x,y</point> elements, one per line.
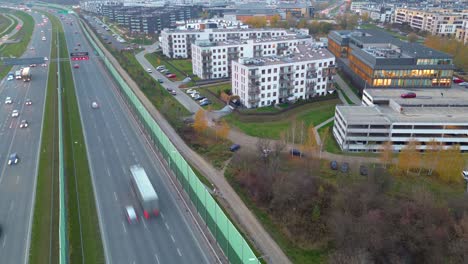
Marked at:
<point>310,84</point>
<point>253,90</point>
<point>254,99</point>
<point>286,71</point>
<point>312,74</point>
<point>329,71</point>
<point>331,86</point>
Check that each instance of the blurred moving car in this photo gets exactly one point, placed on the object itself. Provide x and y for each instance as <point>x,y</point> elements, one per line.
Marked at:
<point>131,215</point>
<point>28,102</point>
<point>24,124</point>
<point>8,100</point>
<point>94,105</point>
<point>13,159</point>
<point>15,113</point>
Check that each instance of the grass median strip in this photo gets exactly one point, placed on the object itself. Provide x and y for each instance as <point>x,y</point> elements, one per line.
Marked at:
<point>85,245</point>
<point>44,246</point>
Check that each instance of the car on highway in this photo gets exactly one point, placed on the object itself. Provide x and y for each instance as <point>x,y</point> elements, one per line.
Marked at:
<point>44,64</point>
<point>78,44</point>
<point>44,38</point>
<point>131,215</point>
<point>23,124</point>
<point>8,100</point>
<point>15,113</point>
<point>31,48</point>
<point>408,95</point>
<point>46,59</point>
<point>149,70</point>
<point>11,76</point>
<point>28,102</point>
<point>94,105</point>
<point>13,159</point>
<point>76,66</point>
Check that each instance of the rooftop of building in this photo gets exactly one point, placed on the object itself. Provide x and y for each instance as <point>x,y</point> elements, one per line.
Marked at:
<point>300,53</point>
<point>429,106</point>
<point>205,43</point>
<point>381,44</point>
<point>170,30</point>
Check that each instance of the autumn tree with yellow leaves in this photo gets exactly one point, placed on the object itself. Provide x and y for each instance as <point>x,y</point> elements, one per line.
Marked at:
<point>450,164</point>
<point>409,157</point>
<point>386,153</point>
<point>200,124</point>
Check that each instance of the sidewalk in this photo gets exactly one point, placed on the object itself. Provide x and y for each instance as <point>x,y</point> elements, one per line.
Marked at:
<point>229,198</point>
<point>347,90</point>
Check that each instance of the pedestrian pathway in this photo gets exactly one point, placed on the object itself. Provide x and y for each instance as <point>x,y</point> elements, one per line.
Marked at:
<point>347,90</point>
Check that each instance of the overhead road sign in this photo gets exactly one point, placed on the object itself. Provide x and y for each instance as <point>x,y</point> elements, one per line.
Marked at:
<point>22,61</point>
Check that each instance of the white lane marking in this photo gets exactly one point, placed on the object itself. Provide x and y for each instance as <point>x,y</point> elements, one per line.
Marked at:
<point>156,257</point>
<point>11,205</point>
<point>17,179</point>
<point>162,215</point>
<point>99,139</point>
<point>178,251</point>
<point>4,241</point>
<point>172,237</point>
<point>108,172</point>
<point>125,229</point>
<point>115,196</point>
<point>167,226</point>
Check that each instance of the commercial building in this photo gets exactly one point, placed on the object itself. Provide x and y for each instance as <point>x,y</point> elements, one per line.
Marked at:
<point>440,115</point>
<point>375,59</point>
<point>212,60</point>
<point>178,43</point>
<point>440,22</point>
<point>304,72</point>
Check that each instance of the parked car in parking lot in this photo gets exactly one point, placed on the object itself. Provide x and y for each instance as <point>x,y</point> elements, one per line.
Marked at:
<point>191,91</point>
<point>160,67</point>
<point>363,170</point>
<point>199,98</point>
<point>296,152</point>
<point>333,165</point>
<point>344,167</point>
<point>171,75</point>
<point>234,147</point>
<point>205,103</point>
<point>408,95</point>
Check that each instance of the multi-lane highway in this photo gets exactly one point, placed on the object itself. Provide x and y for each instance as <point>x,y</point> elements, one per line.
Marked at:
<point>114,143</point>
<point>17,182</point>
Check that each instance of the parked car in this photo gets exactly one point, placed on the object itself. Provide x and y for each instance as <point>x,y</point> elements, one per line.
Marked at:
<point>333,165</point>
<point>195,95</point>
<point>205,103</point>
<point>296,152</point>
<point>164,70</point>
<point>363,170</point>
<point>171,75</point>
<point>234,147</point>
<point>160,67</point>
<point>344,167</point>
<point>464,84</point>
<point>191,91</point>
<point>408,95</point>
<point>457,80</point>
<point>199,98</point>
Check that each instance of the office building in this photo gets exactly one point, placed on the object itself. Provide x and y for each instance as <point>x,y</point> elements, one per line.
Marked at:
<point>375,59</point>
<point>439,114</point>
<point>178,43</point>
<point>302,73</point>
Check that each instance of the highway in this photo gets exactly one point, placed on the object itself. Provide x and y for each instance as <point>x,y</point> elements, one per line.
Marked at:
<point>114,143</point>
<point>17,182</point>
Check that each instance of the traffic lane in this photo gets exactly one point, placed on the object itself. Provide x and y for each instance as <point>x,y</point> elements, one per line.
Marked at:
<point>182,234</point>
<point>112,204</point>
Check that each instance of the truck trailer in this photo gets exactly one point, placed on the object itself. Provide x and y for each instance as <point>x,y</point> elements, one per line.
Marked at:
<point>144,190</point>
<point>26,74</point>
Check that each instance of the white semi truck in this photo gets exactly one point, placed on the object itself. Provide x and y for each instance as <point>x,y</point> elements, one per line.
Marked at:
<point>144,191</point>
<point>26,74</point>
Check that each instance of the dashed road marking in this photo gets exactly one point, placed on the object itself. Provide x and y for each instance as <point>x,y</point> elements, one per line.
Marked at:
<point>115,196</point>
<point>178,251</point>
<point>125,229</point>
<point>172,237</point>
<point>167,226</point>
<point>156,257</point>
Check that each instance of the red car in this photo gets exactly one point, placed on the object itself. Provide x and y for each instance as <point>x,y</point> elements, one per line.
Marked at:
<point>76,66</point>
<point>172,75</point>
<point>457,80</point>
<point>408,95</point>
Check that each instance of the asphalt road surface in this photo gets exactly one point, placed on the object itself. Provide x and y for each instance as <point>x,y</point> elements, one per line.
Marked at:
<point>114,143</point>
<point>17,182</point>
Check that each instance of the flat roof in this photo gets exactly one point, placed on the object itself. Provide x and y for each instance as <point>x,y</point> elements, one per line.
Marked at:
<point>170,30</point>
<point>303,52</point>
<point>427,96</point>
<point>254,41</point>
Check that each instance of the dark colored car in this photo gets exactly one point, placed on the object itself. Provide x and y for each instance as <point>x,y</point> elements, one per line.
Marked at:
<point>205,103</point>
<point>160,80</point>
<point>363,170</point>
<point>333,165</point>
<point>296,152</point>
<point>199,98</point>
<point>234,147</point>
<point>344,167</point>
<point>13,159</point>
<point>408,95</point>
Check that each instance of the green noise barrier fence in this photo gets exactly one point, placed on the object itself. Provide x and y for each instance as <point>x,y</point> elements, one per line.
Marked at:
<point>227,236</point>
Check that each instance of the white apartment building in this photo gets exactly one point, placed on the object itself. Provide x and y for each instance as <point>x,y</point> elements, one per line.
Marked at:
<point>211,60</point>
<point>303,73</point>
<point>440,115</point>
<point>437,22</point>
<point>218,23</point>
<point>462,33</point>
<point>177,43</point>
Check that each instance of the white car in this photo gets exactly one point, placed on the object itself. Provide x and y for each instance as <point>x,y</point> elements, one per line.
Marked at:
<point>464,84</point>
<point>195,95</point>
<point>43,38</point>
<point>94,105</point>
<point>46,59</point>
<point>191,91</point>
<point>15,113</point>
<point>131,214</point>
<point>149,70</point>
<point>8,100</point>
<point>10,78</point>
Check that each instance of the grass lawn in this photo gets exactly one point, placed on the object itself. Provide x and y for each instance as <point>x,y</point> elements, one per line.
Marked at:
<point>181,67</point>
<point>5,22</point>
<point>84,237</point>
<point>313,113</point>
<point>216,103</point>
<point>44,236</point>
<point>11,26</point>
<point>330,144</point>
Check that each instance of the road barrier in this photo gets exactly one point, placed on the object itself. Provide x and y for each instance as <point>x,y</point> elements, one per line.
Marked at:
<point>226,234</point>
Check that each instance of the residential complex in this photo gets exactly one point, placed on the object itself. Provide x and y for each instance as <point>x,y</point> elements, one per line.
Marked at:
<point>438,114</point>
<point>178,43</point>
<point>200,24</point>
<point>212,60</point>
<point>304,73</point>
<point>440,22</point>
<point>375,59</point>
<point>462,33</point>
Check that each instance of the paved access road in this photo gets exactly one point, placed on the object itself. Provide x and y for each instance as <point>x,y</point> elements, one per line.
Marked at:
<point>17,182</point>
<point>114,143</point>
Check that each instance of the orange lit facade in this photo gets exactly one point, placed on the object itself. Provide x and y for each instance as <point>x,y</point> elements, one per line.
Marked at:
<point>380,61</point>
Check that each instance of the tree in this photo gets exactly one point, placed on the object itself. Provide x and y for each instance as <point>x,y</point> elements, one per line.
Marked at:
<point>200,123</point>
<point>311,144</point>
<point>386,153</point>
<point>431,155</point>
<point>222,131</point>
<point>274,20</point>
<point>302,23</point>
<point>365,17</point>
<point>256,21</point>
<point>324,135</point>
<point>450,164</point>
<point>409,157</point>
<point>412,37</point>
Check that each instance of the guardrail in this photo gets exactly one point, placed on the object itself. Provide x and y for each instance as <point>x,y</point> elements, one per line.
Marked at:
<point>227,236</point>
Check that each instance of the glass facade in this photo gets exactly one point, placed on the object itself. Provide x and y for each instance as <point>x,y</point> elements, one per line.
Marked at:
<point>412,78</point>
